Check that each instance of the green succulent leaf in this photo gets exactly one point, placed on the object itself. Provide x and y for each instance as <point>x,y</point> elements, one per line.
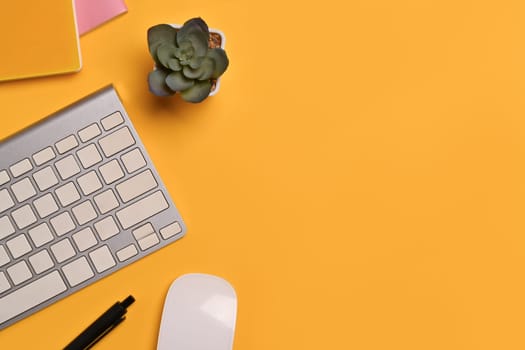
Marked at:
<point>192,25</point>
<point>191,73</point>
<point>178,82</point>
<point>206,69</point>
<point>165,53</point>
<point>198,92</point>
<point>174,65</point>
<point>196,62</point>
<point>197,21</point>
<point>157,83</point>
<point>199,42</point>
<point>185,52</point>
<point>196,32</point>
<point>221,61</point>
<point>203,72</point>
<point>159,34</point>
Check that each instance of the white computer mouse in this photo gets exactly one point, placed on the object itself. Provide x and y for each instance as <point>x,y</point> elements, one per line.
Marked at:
<point>199,314</point>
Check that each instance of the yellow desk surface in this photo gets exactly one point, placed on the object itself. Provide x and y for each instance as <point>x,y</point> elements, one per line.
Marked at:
<point>359,178</point>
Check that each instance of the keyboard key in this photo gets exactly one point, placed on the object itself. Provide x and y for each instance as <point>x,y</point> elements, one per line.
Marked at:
<point>4,258</point>
<point>84,239</point>
<point>31,295</point>
<point>143,231</point>
<point>41,261</point>
<point>111,171</point>
<point>146,236</point>
<point>78,271</point>
<point>116,142</point>
<point>23,190</point>
<point>45,205</point>
<point>106,228</point>
<point>4,283</point>
<point>170,230</point>
<point>6,227</point>
<point>18,246</point>
<point>89,183</point>
<point>40,234</point>
<point>6,201</point>
<point>67,194</point>
<point>67,167</point>
<point>4,177</point>
<point>63,250</point>
<point>148,241</point>
<point>106,201</point>
<point>142,209</point>
<point>66,144</point>
<point>62,223</point>
<point>21,167</point>
<point>44,156</point>
<point>102,259</point>
<point>45,178</point>
<point>89,133</point>
<point>127,252</point>
<point>133,160</point>
<point>19,272</point>
<point>89,156</point>
<point>135,186</point>
<point>84,212</point>
<point>23,216</point>
<point>112,120</point>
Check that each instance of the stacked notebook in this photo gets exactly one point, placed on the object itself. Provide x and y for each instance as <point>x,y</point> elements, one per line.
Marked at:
<point>42,37</point>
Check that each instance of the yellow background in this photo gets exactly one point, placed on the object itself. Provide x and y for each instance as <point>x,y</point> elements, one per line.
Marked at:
<point>359,178</point>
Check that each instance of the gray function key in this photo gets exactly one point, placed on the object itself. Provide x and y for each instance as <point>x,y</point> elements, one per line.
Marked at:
<point>66,144</point>
<point>89,132</point>
<point>112,120</point>
<point>44,156</point>
<point>21,167</point>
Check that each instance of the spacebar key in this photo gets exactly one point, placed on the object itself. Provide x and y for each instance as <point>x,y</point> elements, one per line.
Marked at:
<point>30,296</point>
<point>143,209</point>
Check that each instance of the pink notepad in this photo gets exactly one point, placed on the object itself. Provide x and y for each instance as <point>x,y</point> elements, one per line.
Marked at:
<point>92,13</point>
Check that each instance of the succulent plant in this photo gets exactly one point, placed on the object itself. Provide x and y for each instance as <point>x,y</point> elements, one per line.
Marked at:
<point>184,62</point>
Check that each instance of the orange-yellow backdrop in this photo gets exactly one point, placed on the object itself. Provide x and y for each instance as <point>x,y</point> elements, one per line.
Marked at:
<point>359,178</point>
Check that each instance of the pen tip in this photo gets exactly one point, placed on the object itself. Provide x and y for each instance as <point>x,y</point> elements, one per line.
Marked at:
<point>127,302</point>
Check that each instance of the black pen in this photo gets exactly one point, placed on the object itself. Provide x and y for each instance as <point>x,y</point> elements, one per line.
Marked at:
<point>102,326</point>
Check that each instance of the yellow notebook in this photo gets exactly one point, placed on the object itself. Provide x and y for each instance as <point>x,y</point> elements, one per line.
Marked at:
<point>38,38</point>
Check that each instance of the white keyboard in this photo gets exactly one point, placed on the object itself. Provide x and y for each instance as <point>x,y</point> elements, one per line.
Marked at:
<point>79,199</point>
